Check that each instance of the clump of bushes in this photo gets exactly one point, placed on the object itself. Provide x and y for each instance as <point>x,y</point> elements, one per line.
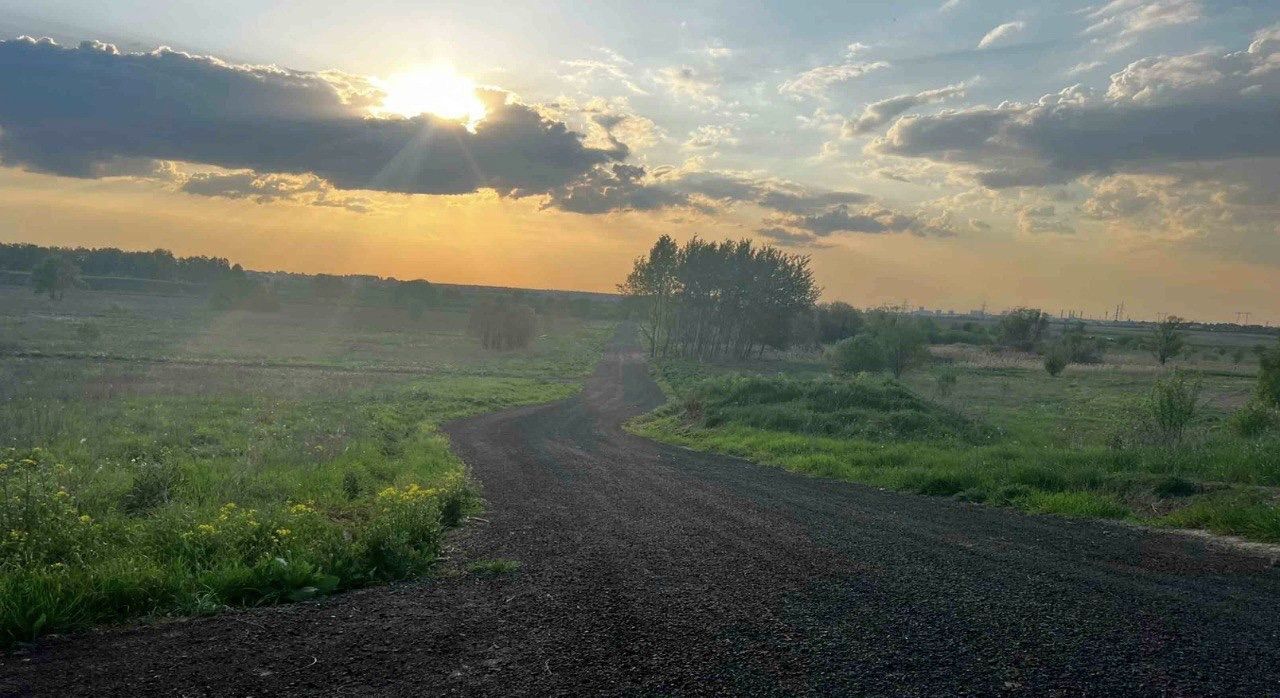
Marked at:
<point>502,324</point>
<point>1254,419</point>
<point>863,407</point>
<point>891,342</point>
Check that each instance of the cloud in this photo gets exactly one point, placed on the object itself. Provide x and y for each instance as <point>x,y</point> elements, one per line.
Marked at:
<point>269,188</point>
<point>1001,33</point>
<point>1126,18</point>
<point>816,81</point>
<point>70,111</point>
<point>1083,67</point>
<point>611,66</point>
<point>879,113</point>
<point>710,136</point>
<point>685,81</point>
<point>1156,112</point>
<point>1040,219</point>
<point>949,5</point>
<point>1180,147</point>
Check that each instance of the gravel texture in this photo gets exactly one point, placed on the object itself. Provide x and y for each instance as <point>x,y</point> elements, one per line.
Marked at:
<point>649,569</point>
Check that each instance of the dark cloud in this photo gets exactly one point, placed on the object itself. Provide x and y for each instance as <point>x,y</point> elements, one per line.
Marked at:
<point>1157,112</point>
<point>68,111</point>
<point>617,188</point>
<point>269,188</point>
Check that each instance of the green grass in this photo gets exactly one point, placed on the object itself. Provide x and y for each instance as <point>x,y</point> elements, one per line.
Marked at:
<point>1030,451</point>
<point>143,488</point>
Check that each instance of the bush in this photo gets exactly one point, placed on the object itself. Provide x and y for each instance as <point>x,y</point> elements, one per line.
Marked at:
<point>502,324</point>
<point>857,354</point>
<point>1174,405</point>
<point>1022,328</point>
<point>1055,361</point>
<point>863,407</point>
<point>1254,419</point>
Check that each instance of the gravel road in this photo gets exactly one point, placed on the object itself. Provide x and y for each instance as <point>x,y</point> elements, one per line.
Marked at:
<point>652,569</point>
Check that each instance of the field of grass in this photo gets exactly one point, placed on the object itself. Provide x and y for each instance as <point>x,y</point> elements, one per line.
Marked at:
<point>1075,445</point>
<point>176,460</point>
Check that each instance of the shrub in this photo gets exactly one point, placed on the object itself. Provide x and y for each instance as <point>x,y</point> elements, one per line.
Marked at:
<point>857,354</point>
<point>862,407</point>
<point>1078,347</point>
<point>1174,405</point>
<point>502,324</point>
<point>1055,361</point>
<point>1254,419</point>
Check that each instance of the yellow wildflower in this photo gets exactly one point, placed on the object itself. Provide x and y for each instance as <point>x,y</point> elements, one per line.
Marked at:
<point>283,532</point>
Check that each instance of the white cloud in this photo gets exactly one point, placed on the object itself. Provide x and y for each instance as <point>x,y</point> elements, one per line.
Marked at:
<point>1126,18</point>
<point>1001,32</point>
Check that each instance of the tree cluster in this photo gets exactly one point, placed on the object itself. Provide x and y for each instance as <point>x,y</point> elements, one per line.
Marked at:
<point>502,323</point>
<point>713,300</point>
<point>160,265</point>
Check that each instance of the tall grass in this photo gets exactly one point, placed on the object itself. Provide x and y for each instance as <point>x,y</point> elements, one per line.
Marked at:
<point>161,506</point>
<point>1218,481</point>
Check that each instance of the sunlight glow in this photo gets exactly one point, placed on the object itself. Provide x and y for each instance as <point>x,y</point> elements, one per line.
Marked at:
<point>438,90</point>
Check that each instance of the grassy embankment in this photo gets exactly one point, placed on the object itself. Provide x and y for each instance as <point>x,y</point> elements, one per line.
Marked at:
<point>1008,435</point>
<point>208,470</point>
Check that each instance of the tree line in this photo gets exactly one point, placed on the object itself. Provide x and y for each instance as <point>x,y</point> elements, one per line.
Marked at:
<point>159,265</point>
<point>712,300</point>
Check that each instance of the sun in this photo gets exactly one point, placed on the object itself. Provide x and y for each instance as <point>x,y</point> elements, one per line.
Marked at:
<point>438,90</point>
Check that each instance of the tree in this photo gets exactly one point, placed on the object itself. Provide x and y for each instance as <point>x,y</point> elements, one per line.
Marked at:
<point>837,321</point>
<point>328,287</point>
<point>708,300</point>
<point>904,342</point>
<point>1168,339</point>
<point>54,275</point>
<point>652,283</point>
<point>1022,328</point>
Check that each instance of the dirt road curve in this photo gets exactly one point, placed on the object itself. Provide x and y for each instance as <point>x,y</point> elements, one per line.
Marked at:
<point>650,569</point>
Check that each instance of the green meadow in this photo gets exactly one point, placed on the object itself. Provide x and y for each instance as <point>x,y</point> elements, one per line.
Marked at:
<point>161,458</point>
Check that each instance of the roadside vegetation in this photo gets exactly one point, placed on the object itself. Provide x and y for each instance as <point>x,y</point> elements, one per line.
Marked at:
<point>165,455</point>
<point>1152,423</point>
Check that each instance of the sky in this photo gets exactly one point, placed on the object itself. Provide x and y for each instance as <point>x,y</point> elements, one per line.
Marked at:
<point>951,154</point>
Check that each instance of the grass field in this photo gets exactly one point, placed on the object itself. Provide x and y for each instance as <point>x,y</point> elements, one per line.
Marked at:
<point>176,460</point>
<point>1068,445</point>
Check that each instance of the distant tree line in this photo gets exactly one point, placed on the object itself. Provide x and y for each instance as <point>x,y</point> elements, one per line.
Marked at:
<point>159,265</point>
<point>711,300</point>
